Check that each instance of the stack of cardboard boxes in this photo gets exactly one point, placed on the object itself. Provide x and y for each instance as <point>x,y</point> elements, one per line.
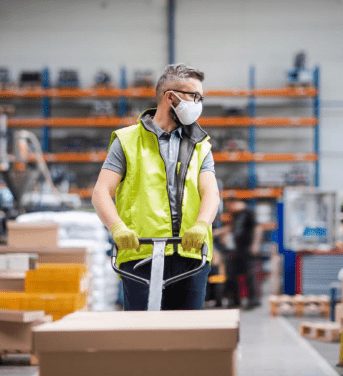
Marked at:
<point>16,329</point>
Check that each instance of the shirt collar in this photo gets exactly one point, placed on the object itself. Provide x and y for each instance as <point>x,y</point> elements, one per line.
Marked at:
<point>160,132</point>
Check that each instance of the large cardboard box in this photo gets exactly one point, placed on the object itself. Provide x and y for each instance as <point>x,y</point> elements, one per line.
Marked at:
<point>39,234</point>
<point>12,280</point>
<point>16,329</point>
<point>164,343</point>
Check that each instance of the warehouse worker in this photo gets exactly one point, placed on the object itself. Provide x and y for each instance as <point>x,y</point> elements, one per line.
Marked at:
<point>240,243</point>
<point>162,173</point>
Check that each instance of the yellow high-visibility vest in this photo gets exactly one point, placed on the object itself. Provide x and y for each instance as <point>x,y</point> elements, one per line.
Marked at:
<point>142,198</point>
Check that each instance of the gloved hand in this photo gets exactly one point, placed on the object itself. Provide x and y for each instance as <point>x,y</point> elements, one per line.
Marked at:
<point>124,238</point>
<point>195,236</point>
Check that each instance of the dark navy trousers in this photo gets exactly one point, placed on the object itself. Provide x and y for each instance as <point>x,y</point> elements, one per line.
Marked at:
<point>187,294</point>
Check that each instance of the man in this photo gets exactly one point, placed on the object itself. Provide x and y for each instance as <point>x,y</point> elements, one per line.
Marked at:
<point>240,242</point>
<point>162,173</point>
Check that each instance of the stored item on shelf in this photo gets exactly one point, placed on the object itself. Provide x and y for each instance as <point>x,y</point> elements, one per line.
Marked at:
<point>310,218</point>
<point>30,78</point>
<point>298,175</point>
<point>300,75</point>
<point>37,234</point>
<point>234,111</point>
<point>12,280</point>
<point>89,343</point>
<point>143,78</point>
<point>102,108</point>
<point>4,77</point>
<point>102,78</point>
<point>57,278</point>
<point>68,78</point>
<point>21,261</point>
<point>234,145</point>
<point>16,329</point>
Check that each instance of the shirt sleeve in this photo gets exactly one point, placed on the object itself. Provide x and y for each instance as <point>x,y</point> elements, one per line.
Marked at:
<point>208,163</point>
<point>116,160</point>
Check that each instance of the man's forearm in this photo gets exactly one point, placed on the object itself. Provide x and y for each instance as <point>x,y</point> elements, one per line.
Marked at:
<point>208,208</point>
<point>105,208</point>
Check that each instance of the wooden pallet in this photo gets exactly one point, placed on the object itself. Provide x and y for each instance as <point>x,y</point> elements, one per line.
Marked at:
<point>32,357</point>
<point>299,305</point>
<point>321,331</point>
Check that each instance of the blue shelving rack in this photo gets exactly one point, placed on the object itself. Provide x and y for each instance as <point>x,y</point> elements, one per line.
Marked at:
<point>290,256</point>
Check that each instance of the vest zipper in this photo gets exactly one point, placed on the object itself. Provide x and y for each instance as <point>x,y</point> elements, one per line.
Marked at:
<point>165,169</point>
<point>183,180</point>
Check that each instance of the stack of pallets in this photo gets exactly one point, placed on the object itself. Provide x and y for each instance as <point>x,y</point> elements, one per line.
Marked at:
<point>300,305</point>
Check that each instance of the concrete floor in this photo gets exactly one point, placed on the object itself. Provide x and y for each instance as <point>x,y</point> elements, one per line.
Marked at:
<point>269,346</point>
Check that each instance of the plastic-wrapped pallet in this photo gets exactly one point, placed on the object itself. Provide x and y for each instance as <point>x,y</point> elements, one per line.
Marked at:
<point>83,229</point>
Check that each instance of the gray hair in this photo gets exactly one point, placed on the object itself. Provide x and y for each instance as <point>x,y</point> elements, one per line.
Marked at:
<point>177,73</point>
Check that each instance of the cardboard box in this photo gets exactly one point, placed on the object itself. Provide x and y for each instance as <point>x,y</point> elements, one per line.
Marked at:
<point>164,343</point>
<point>16,329</point>
<point>12,280</point>
<point>39,234</point>
<point>81,255</point>
<point>339,314</point>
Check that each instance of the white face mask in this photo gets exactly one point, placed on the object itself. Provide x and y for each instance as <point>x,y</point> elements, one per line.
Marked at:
<point>187,111</point>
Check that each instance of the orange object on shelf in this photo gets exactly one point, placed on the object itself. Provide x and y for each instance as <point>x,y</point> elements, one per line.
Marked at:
<point>209,121</point>
<point>149,92</point>
<point>56,305</point>
<point>99,121</point>
<point>235,156</point>
<point>57,278</point>
<point>285,157</point>
<point>252,193</point>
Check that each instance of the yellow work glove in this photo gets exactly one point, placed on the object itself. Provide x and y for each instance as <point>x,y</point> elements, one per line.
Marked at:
<point>124,238</point>
<point>195,236</point>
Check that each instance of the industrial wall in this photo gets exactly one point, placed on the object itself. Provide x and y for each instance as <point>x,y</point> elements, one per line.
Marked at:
<point>223,38</point>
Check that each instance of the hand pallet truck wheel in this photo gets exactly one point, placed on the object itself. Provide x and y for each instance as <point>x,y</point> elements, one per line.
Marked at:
<point>156,283</point>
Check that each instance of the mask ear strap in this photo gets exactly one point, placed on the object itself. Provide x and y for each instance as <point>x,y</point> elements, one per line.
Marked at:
<point>171,91</point>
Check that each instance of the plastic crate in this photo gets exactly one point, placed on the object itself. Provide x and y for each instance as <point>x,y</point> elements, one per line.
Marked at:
<point>11,300</point>
<point>56,305</point>
<point>57,278</point>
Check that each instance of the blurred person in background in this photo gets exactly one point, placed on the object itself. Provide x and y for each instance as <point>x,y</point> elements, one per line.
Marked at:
<point>239,243</point>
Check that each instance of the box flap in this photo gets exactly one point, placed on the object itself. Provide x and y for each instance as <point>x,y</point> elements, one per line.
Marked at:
<point>21,315</point>
<point>165,330</point>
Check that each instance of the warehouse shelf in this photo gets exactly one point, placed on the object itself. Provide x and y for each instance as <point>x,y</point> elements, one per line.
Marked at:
<point>100,156</point>
<point>264,157</point>
<point>253,193</point>
<point>114,121</point>
<point>123,93</point>
<point>229,193</point>
<point>149,92</point>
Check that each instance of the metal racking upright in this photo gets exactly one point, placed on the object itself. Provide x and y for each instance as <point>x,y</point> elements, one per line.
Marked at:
<point>292,262</point>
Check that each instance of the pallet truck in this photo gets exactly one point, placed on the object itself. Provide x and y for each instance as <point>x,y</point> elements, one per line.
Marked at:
<point>156,283</point>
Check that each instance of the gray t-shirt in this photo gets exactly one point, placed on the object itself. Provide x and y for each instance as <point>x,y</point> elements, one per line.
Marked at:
<point>169,147</point>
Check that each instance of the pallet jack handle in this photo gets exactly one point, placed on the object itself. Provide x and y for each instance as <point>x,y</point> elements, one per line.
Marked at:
<point>175,240</point>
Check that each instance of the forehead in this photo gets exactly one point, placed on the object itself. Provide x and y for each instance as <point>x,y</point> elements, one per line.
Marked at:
<point>191,84</point>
